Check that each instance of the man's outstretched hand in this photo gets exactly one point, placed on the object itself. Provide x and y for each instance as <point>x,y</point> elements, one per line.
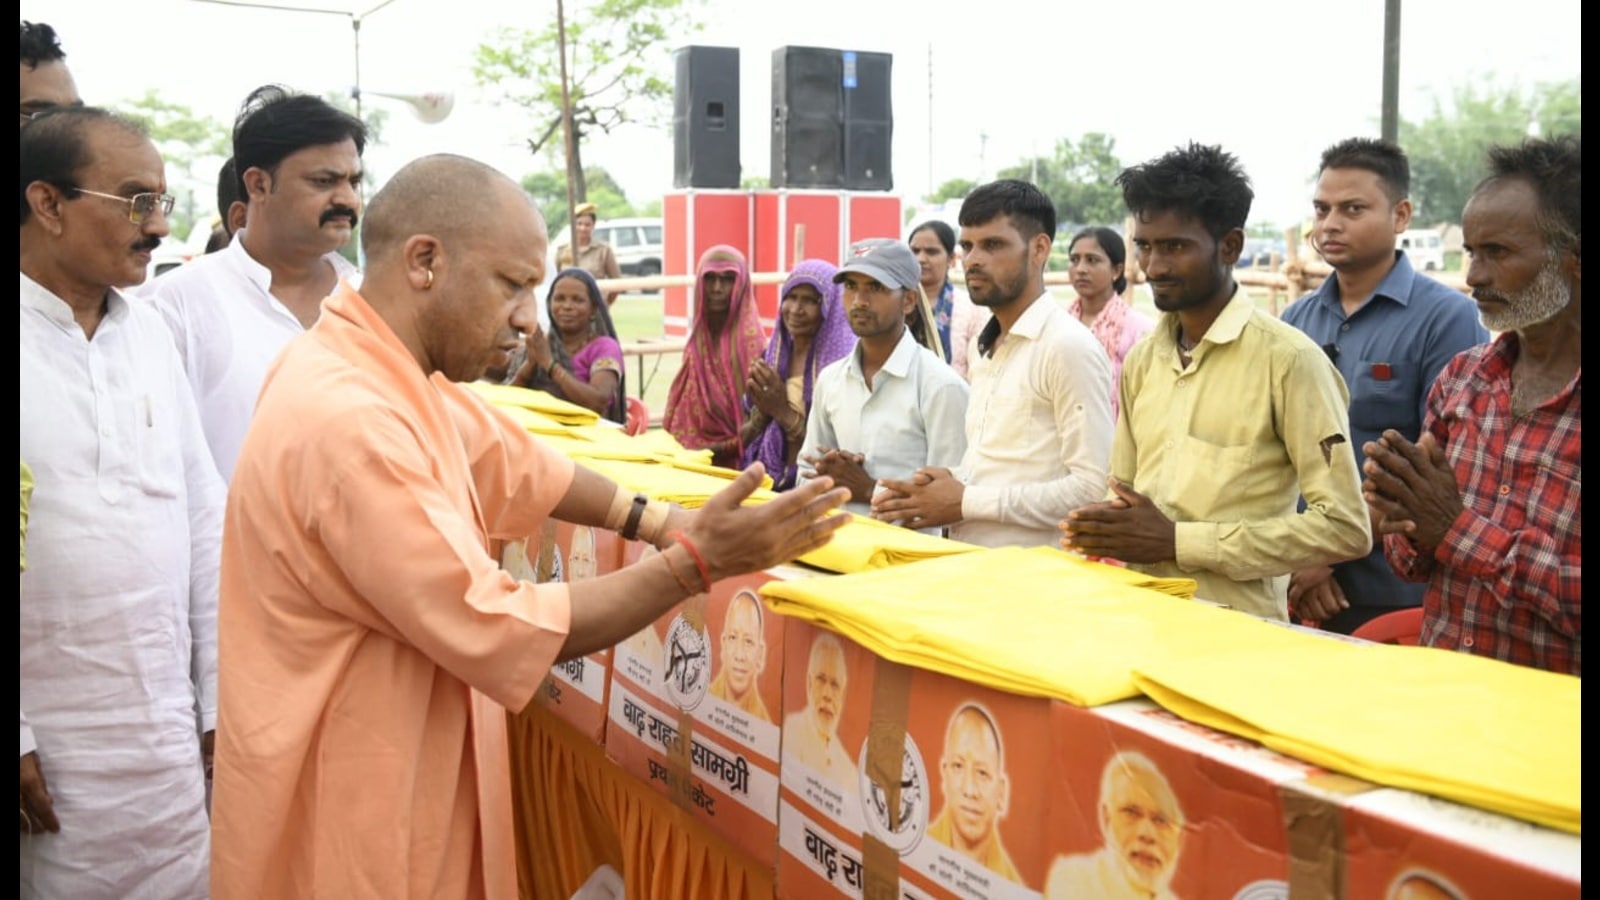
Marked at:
<point>736,538</point>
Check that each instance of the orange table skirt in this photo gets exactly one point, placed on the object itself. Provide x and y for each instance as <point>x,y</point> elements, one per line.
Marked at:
<point>576,810</point>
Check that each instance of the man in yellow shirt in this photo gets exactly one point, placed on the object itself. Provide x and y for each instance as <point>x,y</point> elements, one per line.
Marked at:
<point>1142,826</point>
<point>744,656</point>
<point>1228,415</point>
<point>976,789</point>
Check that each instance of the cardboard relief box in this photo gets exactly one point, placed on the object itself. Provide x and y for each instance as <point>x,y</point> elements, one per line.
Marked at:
<point>1400,845</point>
<point>904,782</point>
<point>693,706</point>
<point>1144,803</point>
<point>576,689</point>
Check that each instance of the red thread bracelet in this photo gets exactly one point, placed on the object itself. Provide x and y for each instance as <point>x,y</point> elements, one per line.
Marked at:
<point>699,561</point>
<point>688,589</point>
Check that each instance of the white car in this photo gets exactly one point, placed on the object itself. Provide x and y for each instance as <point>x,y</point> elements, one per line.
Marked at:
<point>636,242</point>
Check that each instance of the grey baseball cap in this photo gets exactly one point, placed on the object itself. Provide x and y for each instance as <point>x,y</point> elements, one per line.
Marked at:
<point>889,261</point>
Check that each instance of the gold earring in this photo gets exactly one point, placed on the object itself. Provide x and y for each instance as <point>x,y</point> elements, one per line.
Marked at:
<point>429,283</point>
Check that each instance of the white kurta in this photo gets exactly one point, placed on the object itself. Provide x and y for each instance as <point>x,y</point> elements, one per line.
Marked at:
<point>118,606</point>
<point>229,329</point>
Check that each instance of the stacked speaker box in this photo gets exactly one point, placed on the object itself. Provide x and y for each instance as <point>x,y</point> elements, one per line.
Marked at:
<point>832,121</point>
<point>705,118</point>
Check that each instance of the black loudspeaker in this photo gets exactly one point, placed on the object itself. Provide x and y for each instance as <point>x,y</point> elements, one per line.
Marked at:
<point>705,118</point>
<point>868,120</point>
<point>807,118</point>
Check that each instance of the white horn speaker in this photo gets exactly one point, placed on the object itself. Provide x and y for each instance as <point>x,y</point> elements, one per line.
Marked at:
<point>431,107</point>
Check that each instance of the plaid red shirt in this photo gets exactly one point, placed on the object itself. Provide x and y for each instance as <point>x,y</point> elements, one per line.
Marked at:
<point>1506,581</point>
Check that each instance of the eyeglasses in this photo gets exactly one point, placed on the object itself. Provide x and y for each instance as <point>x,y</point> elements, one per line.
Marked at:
<point>140,206</point>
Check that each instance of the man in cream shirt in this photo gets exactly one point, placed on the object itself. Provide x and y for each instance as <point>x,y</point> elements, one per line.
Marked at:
<point>1039,421</point>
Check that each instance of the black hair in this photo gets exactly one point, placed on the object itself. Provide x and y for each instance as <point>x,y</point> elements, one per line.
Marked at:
<point>229,189</point>
<point>941,230</point>
<point>40,45</point>
<point>1115,249</point>
<point>54,148</point>
<point>1382,158</point>
<point>1027,207</point>
<point>1198,181</point>
<point>275,122</point>
<point>1554,168</point>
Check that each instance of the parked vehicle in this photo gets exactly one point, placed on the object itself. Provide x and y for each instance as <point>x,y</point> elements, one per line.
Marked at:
<point>636,242</point>
<point>1425,246</point>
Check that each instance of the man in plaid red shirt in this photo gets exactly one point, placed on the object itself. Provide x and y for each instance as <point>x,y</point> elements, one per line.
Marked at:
<point>1486,506</point>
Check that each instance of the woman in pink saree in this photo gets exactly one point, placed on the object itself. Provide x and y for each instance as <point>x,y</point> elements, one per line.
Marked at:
<point>704,409</point>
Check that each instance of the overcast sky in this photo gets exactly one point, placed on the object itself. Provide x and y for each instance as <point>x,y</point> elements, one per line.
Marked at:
<point>1273,81</point>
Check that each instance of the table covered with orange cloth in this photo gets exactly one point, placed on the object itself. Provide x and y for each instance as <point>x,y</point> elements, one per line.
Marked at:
<point>576,810</point>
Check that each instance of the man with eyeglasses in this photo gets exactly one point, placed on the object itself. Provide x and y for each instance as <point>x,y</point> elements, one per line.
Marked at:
<point>891,406</point>
<point>46,82</point>
<point>118,611</point>
<point>297,159</point>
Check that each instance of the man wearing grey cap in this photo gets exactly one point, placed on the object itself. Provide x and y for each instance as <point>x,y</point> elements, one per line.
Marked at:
<point>1039,423</point>
<point>891,406</point>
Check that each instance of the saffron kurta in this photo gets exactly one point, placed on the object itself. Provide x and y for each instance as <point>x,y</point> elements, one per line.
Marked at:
<point>361,616</point>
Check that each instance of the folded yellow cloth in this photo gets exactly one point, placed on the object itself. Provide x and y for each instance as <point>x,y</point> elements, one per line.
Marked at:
<point>538,401</point>
<point>686,487</point>
<point>1477,731</point>
<point>1034,621</point>
<point>866,543</point>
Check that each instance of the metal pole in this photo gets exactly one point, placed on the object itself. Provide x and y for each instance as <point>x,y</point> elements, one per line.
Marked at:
<point>566,121</point>
<point>355,29</point>
<point>1391,70</point>
<point>930,119</point>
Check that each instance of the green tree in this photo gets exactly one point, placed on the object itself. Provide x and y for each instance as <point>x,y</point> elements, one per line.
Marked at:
<point>193,148</point>
<point>1078,178</point>
<point>549,190</point>
<point>1447,147</point>
<point>615,71</point>
<point>954,189</point>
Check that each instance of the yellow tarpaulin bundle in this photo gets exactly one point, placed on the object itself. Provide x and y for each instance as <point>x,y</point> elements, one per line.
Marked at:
<point>551,406</point>
<point>686,487</point>
<point>869,544</point>
<point>1477,731</point>
<point>1031,621</point>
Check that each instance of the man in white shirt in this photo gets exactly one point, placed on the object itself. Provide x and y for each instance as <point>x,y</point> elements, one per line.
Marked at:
<point>117,615</point>
<point>891,406</point>
<point>1038,422</point>
<point>231,312</point>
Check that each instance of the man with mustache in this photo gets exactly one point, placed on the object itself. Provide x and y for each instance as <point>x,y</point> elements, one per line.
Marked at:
<point>117,613</point>
<point>1039,414</point>
<point>1389,330</point>
<point>891,406</point>
<point>811,736</point>
<point>1487,505</point>
<point>977,791</point>
<point>743,645</point>
<point>1229,415</point>
<point>298,164</point>
<point>1142,827</point>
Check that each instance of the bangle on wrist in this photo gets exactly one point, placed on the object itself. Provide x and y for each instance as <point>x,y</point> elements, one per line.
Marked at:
<point>652,520</point>
<point>699,561</point>
<point>630,528</point>
<point>688,589</point>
